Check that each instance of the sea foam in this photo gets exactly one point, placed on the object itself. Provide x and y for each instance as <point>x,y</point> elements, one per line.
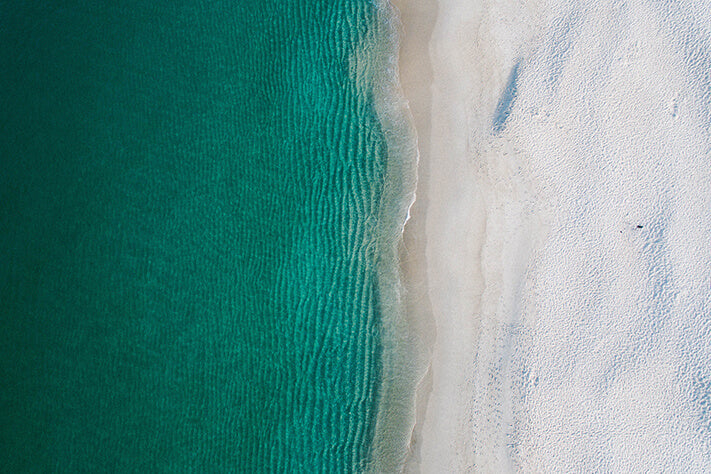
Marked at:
<point>403,350</point>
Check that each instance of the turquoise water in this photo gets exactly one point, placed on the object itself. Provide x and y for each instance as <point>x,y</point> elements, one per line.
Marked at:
<point>190,235</point>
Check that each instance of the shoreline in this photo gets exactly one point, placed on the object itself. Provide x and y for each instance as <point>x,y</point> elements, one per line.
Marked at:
<point>408,334</point>
<point>417,20</point>
<point>451,261</point>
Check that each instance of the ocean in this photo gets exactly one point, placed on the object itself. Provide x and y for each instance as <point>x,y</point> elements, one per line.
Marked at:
<point>200,205</point>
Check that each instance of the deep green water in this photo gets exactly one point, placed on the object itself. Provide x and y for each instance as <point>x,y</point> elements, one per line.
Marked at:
<point>189,203</point>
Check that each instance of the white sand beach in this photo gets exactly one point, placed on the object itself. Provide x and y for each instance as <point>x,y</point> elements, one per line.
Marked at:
<point>559,241</point>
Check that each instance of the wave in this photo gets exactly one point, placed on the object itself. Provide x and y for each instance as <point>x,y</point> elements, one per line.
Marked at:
<point>376,69</point>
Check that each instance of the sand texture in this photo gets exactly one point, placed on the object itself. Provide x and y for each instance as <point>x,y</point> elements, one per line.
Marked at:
<point>563,217</point>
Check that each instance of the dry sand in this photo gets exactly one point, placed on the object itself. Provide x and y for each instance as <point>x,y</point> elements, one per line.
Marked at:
<point>522,249</point>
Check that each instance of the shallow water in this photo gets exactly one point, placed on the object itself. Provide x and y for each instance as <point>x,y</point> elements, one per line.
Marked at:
<point>192,235</point>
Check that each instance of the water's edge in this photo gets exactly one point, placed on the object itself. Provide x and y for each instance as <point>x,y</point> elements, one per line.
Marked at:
<point>402,98</point>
